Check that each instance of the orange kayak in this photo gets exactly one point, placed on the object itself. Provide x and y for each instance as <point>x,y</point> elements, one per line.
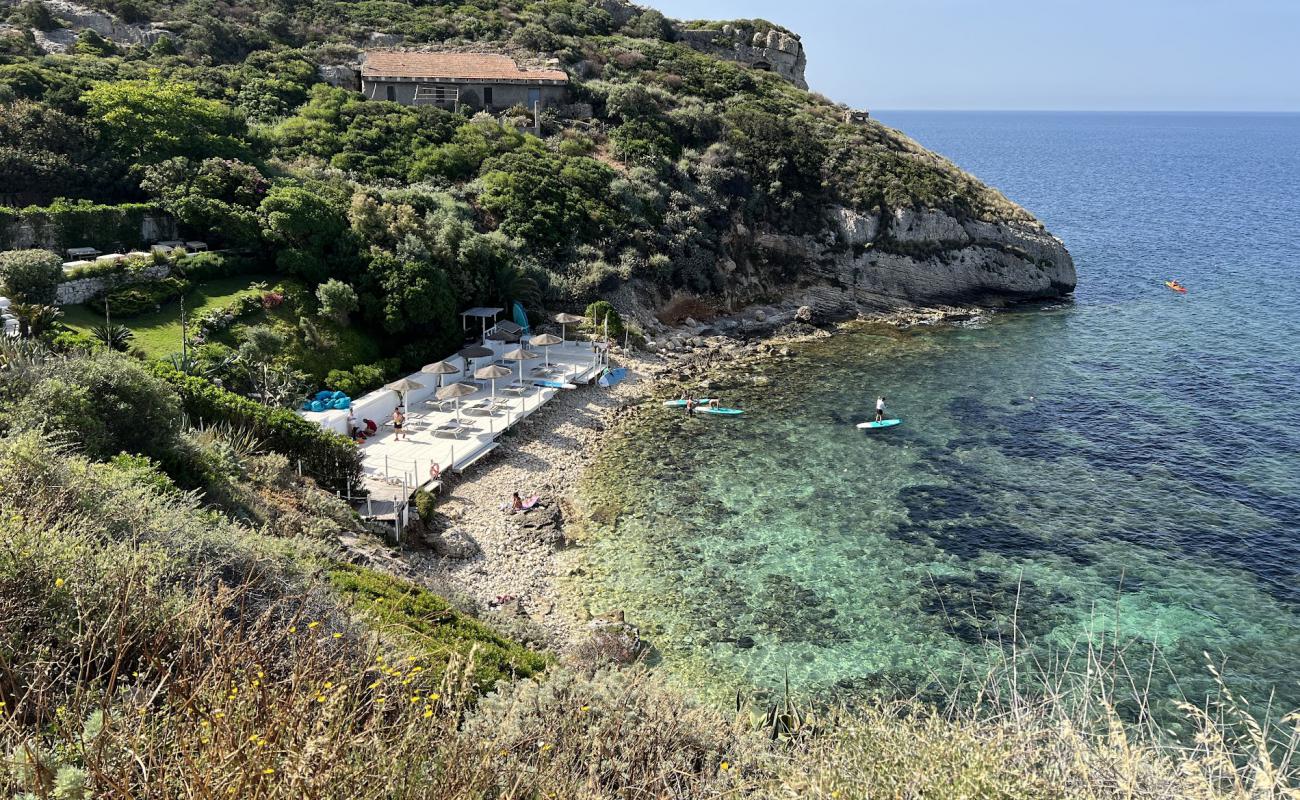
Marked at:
<point>1177,287</point>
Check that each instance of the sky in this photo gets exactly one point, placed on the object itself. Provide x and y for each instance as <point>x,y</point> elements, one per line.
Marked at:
<point>1131,55</point>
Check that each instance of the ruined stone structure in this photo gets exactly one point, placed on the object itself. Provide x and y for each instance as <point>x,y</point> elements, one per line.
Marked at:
<point>772,50</point>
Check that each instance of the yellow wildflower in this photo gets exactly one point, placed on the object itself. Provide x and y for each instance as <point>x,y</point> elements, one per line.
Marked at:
<point>58,582</point>
<point>724,766</point>
<point>313,625</point>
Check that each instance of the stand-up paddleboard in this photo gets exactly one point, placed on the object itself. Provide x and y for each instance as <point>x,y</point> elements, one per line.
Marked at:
<point>613,377</point>
<point>721,412</point>
<point>556,384</point>
<point>875,426</point>
<point>682,403</point>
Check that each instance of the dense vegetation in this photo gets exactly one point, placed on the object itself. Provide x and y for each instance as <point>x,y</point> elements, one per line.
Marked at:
<point>175,619</point>
<point>223,124</point>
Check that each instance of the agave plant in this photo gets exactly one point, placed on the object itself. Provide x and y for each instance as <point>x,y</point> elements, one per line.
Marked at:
<point>113,336</point>
<point>784,719</point>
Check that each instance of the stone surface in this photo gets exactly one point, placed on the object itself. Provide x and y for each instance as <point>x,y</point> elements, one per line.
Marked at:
<point>83,290</point>
<point>454,543</point>
<point>771,50</point>
<point>856,229</point>
<point>80,18</point>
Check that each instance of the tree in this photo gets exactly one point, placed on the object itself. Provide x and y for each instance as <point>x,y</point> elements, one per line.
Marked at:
<point>30,276</point>
<point>90,43</point>
<point>218,196</point>
<point>312,237</point>
<point>152,120</point>
<point>36,318</point>
<point>337,300</point>
<point>45,151</point>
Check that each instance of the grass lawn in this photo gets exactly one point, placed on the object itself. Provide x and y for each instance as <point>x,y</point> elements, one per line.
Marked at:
<point>158,334</point>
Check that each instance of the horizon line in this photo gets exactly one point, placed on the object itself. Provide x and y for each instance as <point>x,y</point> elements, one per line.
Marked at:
<point>1090,111</point>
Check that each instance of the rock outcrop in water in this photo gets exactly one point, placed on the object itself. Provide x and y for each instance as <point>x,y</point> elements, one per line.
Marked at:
<point>909,258</point>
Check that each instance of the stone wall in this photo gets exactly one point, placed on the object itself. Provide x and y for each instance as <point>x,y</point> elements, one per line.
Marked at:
<point>83,290</point>
<point>27,234</point>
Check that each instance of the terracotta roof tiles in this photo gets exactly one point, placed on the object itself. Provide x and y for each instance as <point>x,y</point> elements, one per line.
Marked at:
<point>461,66</point>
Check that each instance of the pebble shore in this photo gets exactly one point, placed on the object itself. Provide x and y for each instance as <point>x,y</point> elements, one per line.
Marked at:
<point>508,564</point>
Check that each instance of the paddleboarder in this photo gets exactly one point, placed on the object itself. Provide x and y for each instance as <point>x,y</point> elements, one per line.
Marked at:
<point>880,409</point>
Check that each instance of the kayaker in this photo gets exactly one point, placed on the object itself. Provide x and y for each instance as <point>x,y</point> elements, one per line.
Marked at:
<point>880,409</point>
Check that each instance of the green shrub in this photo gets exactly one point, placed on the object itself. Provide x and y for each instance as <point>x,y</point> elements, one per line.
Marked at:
<point>337,300</point>
<point>141,298</point>
<point>357,381</point>
<point>330,458</point>
<point>82,223</point>
<point>600,311</point>
<point>208,266</point>
<point>425,505</point>
<point>429,623</point>
<point>105,403</point>
<point>103,269</point>
<point>30,276</point>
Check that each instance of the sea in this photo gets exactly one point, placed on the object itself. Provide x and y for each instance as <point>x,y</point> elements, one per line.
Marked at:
<point>1117,473</point>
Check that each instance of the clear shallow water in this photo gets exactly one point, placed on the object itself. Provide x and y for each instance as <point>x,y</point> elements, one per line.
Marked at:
<point>1127,462</point>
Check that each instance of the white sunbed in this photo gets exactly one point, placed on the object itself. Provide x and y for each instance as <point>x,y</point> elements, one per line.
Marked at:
<point>452,429</point>
<point>517,388</point>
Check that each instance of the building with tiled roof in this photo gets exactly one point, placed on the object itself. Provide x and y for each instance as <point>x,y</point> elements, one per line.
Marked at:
<point>485,81</point>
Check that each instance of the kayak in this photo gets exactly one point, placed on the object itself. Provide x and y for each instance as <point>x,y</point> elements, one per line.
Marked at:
<point>721,412</point>
<point>613,377</point>
<point>556,384</point>
<point>875,426</point>
<point>682,403</point>
<point>1176,287</point>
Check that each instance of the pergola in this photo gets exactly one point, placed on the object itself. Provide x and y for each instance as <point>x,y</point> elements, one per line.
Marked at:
<point>481,314</point>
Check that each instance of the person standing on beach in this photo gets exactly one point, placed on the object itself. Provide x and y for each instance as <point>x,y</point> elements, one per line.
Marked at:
<point>399,422</point>
<point>880,408</point>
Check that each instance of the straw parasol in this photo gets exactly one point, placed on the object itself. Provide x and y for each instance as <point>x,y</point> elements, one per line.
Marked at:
<point>491,373</point>
<point>498,335</point>
<point>455,391</point>
<point>545,341</point>
<point>404,386</point>
<point>475,351</point>
<point>439,368</point>
<point>565,321</point>
<point>521,355</point>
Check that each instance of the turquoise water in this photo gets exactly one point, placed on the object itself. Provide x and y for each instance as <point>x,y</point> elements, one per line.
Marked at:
<point>1123,464</point>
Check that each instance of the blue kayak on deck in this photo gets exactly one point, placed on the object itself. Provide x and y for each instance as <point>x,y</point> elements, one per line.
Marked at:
<point>721,412</point>
<point>613,377</point>
<point>875,426</point>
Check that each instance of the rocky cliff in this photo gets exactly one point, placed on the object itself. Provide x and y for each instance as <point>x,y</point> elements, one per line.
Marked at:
<point>773,50</point>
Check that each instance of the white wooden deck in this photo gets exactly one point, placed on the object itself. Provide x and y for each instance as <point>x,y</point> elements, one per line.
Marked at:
<point>393,469</point>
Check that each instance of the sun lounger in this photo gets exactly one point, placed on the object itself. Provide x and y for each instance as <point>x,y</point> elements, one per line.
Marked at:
<point>452,429</point>
<point>517,388</point>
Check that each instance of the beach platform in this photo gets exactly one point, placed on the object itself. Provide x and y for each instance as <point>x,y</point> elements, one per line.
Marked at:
<point>454,435</point>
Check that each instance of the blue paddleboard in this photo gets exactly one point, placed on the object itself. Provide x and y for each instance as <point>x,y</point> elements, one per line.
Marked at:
<point>556,384</point>
<point>722,412</point>
<point>682,403</point>
<point>874,426</point>
<point>613,377</point>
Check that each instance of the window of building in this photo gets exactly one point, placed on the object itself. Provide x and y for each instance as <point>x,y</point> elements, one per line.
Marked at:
<point>487,96</point>
<point>392,94</point>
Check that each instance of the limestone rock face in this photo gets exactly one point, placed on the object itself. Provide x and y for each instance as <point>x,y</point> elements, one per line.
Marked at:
<point>914,258</point>
<point>855,228</point>
<point>927,226</point>
<point>771,50</point>
<point>80,18</point>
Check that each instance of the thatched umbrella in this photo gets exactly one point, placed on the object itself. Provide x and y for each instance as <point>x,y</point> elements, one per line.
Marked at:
<point>545,341</point>
<point>439,368</point>
<point>565,321</point>
<point>491,373</point>
<point>456,391</point>
<point>521,355</point>
<point>498,335</point>
<point>404,386</point>
<point>472,352</point>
